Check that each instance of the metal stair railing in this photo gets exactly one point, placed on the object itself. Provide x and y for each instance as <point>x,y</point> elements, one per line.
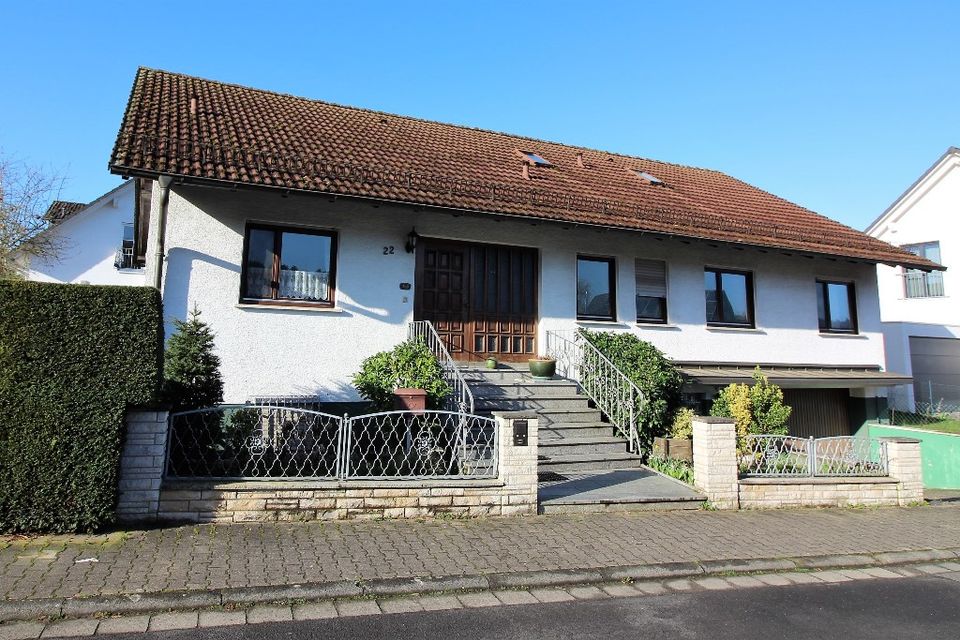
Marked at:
<point>460,398</point>
<point>611,390</point>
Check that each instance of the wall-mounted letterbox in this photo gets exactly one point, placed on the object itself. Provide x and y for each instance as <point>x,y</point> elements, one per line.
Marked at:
<point>519,433</point>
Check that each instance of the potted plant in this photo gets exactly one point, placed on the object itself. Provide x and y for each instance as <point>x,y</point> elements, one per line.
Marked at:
<point>543,368</point>
<point>677,443</point>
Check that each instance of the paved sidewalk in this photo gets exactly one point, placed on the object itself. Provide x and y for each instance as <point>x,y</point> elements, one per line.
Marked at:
<point>225,556</point>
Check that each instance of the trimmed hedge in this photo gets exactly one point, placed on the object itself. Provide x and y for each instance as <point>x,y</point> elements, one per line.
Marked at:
<point>72,359</point>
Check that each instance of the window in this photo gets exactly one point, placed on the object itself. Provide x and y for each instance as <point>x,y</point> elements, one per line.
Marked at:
<point>921,284</point>
<point>651,278</point>
<point>729,297</point>
<point>837,307</point>
<point>536,159</point>
<point>649,177</point>
<point>124,258</point>
<point>596,288</point>
<point>291,266</point>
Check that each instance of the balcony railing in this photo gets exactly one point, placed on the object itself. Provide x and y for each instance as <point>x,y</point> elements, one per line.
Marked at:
<point>918,284</point>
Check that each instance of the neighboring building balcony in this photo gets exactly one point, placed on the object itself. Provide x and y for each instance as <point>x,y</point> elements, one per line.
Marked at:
<point>919,284</point>
<point>125,259</point>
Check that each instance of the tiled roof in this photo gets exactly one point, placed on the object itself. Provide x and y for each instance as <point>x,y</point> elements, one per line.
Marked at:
<point>205,130</point>
<point>60,210</point>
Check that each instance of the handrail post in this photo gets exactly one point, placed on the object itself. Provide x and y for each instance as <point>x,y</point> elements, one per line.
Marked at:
<point>812,456</point>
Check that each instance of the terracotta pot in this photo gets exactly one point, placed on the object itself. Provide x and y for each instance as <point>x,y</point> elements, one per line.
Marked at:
<point>543,368</point>
<point>414,400</point>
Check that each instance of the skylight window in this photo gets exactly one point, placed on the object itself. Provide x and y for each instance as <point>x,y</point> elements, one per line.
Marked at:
<point>536,159</point>
<point>649,177</point>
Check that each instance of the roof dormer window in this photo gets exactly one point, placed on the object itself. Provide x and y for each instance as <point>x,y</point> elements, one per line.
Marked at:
<point>536,159</point>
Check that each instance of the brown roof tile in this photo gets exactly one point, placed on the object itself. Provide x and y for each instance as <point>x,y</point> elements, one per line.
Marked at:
<point>201,129</point>
<point>60,210</point>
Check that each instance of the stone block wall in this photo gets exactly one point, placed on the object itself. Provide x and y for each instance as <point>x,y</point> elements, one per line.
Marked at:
<point>512,492</point>
<point>716,474</point>
<point>141,466</point>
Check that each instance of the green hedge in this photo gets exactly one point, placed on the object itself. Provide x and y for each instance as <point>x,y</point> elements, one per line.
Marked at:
<point>72,359</point>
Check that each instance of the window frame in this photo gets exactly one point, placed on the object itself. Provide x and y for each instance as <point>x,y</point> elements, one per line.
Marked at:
<point>666,294</point>
<point>612,283</point>
<point>924,276</point>
<point>751,308</point>
<point>278,231</point>
<point>823,285</point>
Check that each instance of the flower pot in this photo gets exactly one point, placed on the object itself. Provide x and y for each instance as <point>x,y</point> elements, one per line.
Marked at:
<point>491,363</point>
<point>413,400</point>
<point>676,448</point>
<point>543,368</point>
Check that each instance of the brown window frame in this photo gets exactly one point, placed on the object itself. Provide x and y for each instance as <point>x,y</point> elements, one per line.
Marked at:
<point>612,278</point>
<point>822,289</point>
<point>751,308</point>
<point>278,231</point>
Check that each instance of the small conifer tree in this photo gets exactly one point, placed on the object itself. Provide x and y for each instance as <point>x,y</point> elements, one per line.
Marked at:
<point>191,368</point>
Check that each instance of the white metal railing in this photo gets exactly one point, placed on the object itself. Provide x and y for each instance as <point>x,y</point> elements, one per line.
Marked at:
<point>920,284</point>
<point>268,442</point>
<point>790,456</point>
<point>460,398</point>
<point>615,394</point>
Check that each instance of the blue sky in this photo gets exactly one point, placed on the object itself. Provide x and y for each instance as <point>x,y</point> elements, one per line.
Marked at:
<point>837,106</point>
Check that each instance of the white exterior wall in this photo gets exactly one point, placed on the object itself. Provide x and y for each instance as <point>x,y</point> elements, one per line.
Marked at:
<point>89,242</point>
<point>929,211</point>
<point>295,351</point>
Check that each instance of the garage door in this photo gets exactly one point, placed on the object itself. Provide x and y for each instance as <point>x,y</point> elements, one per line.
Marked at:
<point>936,368</point>
<point>818,412</point>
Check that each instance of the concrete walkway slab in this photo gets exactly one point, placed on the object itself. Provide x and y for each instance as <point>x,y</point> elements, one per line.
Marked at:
<point>621,486</point>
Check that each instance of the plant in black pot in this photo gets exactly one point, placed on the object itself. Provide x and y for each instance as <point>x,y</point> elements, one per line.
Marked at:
<point>543,368</point>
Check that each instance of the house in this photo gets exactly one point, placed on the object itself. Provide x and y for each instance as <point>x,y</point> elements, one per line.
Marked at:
<point>94,241</point>
<point>311,234</point>
<point>920,310</point>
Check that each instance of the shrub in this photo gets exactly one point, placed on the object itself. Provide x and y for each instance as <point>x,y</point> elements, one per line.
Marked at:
<point>409,364</point>
<point>72,359</point>
<point>682,426</point>
<point>655,375</point>
<point>679,469</point>
<point>191,369</point>
<point>757,409</point>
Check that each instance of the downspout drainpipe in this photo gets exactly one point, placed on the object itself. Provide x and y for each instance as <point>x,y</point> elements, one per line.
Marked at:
<point>164,182</point>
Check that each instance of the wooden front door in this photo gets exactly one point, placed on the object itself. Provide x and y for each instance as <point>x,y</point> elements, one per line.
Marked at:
<point>482,299</point>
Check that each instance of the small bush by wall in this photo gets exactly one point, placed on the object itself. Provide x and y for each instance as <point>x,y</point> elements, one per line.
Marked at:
<point>72,359</point>
<point>409,364</point>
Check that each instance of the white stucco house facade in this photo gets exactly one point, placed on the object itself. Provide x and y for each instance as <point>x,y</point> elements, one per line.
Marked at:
<point>94,242</point>
<point>315,243</point>
<point>921,311</point>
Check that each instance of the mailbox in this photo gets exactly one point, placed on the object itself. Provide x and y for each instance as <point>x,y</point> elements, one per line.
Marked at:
<point>519,433</point>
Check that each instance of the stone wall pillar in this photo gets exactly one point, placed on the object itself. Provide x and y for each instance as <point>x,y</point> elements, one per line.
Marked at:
<point>517,464</point>
<point>141,466</point>
<point>906,466</point>
<point>715,469</point>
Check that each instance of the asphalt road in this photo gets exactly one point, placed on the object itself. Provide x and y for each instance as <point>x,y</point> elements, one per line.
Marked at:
<point>904,608</point>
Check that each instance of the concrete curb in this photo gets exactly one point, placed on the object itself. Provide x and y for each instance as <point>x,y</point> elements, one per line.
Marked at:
<point>205,599</point>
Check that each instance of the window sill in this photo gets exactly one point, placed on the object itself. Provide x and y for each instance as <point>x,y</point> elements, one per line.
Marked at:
<point>247,306</point>
<point>666,326</point>
<point>604,323</point>
<point>736,329</point>
<point>848,336</point>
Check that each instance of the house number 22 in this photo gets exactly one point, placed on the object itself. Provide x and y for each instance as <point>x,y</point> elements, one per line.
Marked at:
<point>388,251</point>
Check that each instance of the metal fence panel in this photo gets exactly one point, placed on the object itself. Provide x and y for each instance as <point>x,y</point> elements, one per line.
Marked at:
<point>765,455</point>
<point>849,456</point>
<point>432,444</point>
<point>790,456</point>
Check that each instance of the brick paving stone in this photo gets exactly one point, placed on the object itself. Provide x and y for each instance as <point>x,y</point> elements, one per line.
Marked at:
<point>515,597</point>
<point>20,630</point>
<point>439,603</point>
<point>347,608</point>
<point>551,595</point>
<point>745,582</point>
<point>400,605</point>
<point>832,576</point>
<point>649,588</point>
<point>125,624</point>
<point>586,593</point>
<point>879,572</point>
<point>800,578</point>
<point>931,569</point>
<point>314,611</point>
<point>773,579</point>
<point>619,590</point>
<point>70,628</point>
<point>269,613</point>
<point>221,618</point>
<point>713,584</point>
<point>679,585</point>
<point>478,599</point>
<point>173,620</point>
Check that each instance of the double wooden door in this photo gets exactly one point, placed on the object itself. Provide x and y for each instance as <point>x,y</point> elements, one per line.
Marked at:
<point>482,299</point>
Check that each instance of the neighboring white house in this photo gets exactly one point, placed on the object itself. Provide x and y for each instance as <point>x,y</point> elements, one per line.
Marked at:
<point>313,247</point>
<point>95,241</point>
<point>921,311</point>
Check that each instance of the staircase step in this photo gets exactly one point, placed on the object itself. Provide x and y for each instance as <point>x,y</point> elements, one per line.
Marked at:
<point>582,446</point>
<point>527,389</point>
<point>539,403</point>
<point>568,416</point>
<point>620,506</point>
<point>558,431</point>
<point>588,462</point>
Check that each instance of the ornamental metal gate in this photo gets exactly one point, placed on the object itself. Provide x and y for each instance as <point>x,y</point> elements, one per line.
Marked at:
<point>266,442</point>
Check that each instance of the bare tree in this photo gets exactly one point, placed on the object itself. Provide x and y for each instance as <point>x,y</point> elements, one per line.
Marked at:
<point>26,192</point>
